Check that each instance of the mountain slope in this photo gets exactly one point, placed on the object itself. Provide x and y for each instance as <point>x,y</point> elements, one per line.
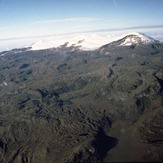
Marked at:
<point>134,38</point>
<point>93,41</point>
<point>59,105</point>
<point>84,42</point>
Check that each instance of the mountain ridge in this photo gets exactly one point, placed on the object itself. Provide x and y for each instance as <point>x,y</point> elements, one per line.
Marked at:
<point>94,41</point>
<point>68,105</point>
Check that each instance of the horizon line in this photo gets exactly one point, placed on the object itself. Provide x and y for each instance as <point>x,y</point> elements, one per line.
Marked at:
<point>98,30</point>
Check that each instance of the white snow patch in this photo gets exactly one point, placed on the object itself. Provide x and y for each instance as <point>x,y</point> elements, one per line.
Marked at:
<point>136,38</point>
<point>85,42</point>
<point>90,41</point>
<point>3,84</point>
<point>2,54</point>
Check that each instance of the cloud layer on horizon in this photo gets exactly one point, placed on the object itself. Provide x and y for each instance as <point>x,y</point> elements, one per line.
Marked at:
<point>89,31</point>
<point>80,19</point>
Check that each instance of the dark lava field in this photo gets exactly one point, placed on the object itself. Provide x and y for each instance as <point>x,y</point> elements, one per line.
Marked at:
<point>68,105</point>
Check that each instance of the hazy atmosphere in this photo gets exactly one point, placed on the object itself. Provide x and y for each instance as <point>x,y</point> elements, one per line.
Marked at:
<point>24,22</point>
<point>81,81</point>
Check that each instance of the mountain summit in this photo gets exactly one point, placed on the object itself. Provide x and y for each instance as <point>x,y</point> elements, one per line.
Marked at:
<point>84,42</point>
<point>134,38</point>
<point>69,105</point>
<point>93,41</point>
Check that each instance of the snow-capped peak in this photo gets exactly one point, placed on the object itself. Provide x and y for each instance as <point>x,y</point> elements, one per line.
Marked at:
<point>84,42</point>
<point>88,41</point>
<point>92,41</point>
<point>135,38</point>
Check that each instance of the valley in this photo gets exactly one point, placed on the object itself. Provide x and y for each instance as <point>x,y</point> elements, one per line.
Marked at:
<point>65,104</point>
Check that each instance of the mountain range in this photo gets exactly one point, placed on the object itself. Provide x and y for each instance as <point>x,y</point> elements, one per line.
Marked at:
<point>92,41</point>
<point>85,99</point>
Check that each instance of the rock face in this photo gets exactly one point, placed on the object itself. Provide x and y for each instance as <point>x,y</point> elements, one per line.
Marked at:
<point>68,105</point>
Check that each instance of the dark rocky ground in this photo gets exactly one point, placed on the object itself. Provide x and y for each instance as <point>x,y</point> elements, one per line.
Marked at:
<point>67,105</point>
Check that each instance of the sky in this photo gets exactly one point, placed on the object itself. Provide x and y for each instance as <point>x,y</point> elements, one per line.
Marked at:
<point>31,20</point>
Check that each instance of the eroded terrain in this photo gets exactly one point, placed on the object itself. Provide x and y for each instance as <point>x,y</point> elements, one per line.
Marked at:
<point>68,105</point>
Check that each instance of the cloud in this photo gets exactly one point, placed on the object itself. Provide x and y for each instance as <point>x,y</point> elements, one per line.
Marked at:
<point>156,27</point>
<point>129,28</point>
<point>82,19</point>
<point>6,28</point>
